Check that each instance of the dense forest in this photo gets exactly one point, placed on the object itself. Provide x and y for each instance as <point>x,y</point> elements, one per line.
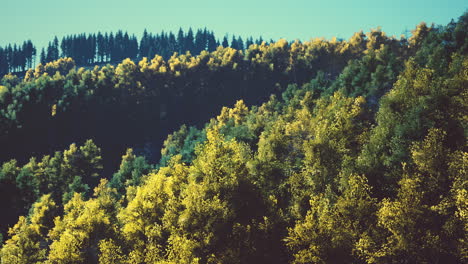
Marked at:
<point>333,151</point>
<point>102,48</point>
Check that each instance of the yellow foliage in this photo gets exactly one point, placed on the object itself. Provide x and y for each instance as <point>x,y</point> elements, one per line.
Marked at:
<point>3,92</point>
<point>110,252</point>
<point>54,110</point>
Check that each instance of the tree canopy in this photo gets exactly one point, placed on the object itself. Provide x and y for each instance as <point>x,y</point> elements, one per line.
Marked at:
<point>332,151</point>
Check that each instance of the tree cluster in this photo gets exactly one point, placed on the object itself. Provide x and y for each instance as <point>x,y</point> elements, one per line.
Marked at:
<point>113,48</point>
<point>17,58</point>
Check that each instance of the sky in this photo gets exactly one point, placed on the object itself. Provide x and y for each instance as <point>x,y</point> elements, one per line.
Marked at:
<point>41,20</point>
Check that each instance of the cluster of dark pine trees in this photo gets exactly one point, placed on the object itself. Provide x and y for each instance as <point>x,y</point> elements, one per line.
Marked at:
<point>113,48</point>
<point>362,159</point>
<point>17,58</point>
<point>92,49</point>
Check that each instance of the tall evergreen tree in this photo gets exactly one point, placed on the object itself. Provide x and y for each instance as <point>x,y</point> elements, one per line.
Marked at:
<point>181,41</point>
<point>225,42</point>
<point>42,56</point>
<point>189,41</point>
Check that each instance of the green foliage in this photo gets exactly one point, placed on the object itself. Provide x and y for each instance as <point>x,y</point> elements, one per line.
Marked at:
<point>110,252</point>
<point>419,100</point>
<point>152,212</point>
<point>371,76</point>
<point>132,169</point>
<point>333,225</point>
<point>23,246</point>
<point>183,142</point>
<point>28,236</point>
<point>366,166</point>
<point>76,235</point>
<point>423,217</point>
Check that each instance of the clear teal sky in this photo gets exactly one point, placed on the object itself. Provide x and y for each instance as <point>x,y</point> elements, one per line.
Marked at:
<point>40,20</point>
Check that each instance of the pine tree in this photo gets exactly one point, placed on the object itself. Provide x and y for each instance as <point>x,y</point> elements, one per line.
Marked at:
<point>181,44</point>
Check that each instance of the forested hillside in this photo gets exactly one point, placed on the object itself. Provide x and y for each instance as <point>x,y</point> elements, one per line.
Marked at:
<point>138,103</point>
<point>331,151</point>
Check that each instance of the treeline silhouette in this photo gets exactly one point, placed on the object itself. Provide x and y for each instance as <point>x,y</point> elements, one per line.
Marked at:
<point>89,49</point>
<point>16,58</point>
